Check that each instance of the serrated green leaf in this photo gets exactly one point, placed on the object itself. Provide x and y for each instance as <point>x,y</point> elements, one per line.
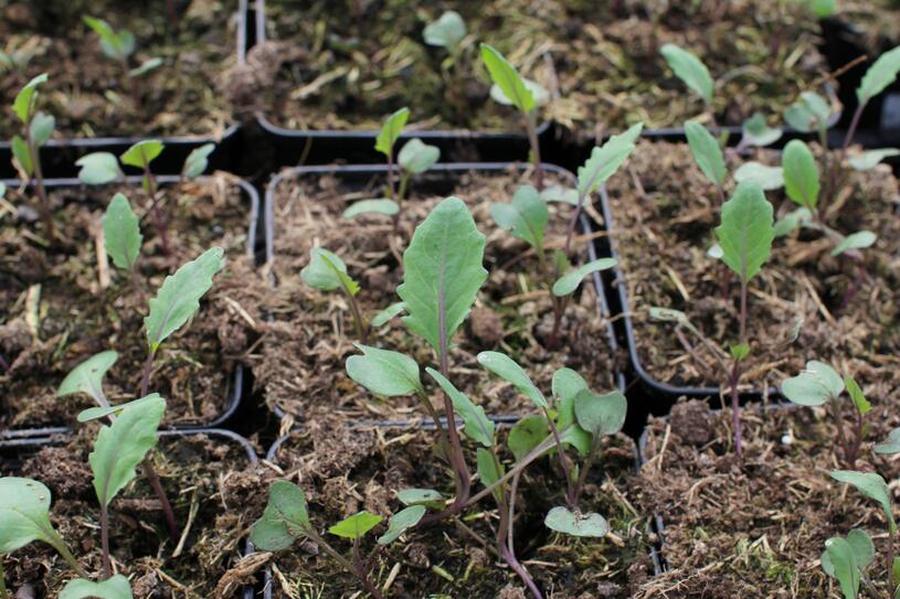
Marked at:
<point>122,232</point>
<point>476,425</point>
<point>426,497</point>
<point>891,445</point>
<point>869,159</point>
<point>104,411</point>
<point>416,156</point>
<point>22,155</point>
<point>881,74</point>
<point>606,160</point>
<point>489,470</point>
<point>767,177</point>
<point>690,70</point>
<point>527,434</point>
<point>385,316</point>
<point>178,299</point>
<point>809,113</point>
<point>507,369</point>
<point>145,67</point>
<point>87,377</point>
<point>814,386</point>
<point>871,485</point>
<point>446,32</point>
<point>391,130</point>
<point>122,445</point>
<point>569,282</point>
<point>856,395</point>
<point>746,232</point>
<point>855,241</point>
<point>442,271</point>
<point>116,587</point>
<point>602,414</point>
<point>98,168</point>
<point>25,100</point>
<point>756,132</point>
<point>384,372</point>
<point>561,519</point>
<point>707,152</point>
<point>356,526</point>
<point>142,153</point>
<point>525,217</point>
<point>196,162</point>
<point>801,174</point>
<point>24,514</point>
<point>41,128</point>
<point>792,220</point>
<point>507,79</point>
<point>327,272</point>
<point>284,520</point>
<point>401,522</point>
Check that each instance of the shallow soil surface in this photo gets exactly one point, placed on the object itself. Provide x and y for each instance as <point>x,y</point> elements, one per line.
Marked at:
<point>346,69</point>
<point>311,334</point>
<point>91,94</point>
<point>343,471</point>
<point>800,307</point>
<point>200,474</point>
<point>758,528</point>
<point>55,312</point>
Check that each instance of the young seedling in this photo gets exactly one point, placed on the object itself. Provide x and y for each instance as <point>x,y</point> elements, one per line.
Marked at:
<point>819,384</point>
<point>122,235</point>
<point>286,520</point>
<point>878,77</point>
<point>510,88</point>
<point>37,127</point>
<point>327,272</point>
<point>384,143</point>
<point>526,218</point>
<point>447,32</point>
<point>847,558</point>
<point>566,285</point>
<point>707,154</point>
<point>119,46</point>
<point>745,237</point>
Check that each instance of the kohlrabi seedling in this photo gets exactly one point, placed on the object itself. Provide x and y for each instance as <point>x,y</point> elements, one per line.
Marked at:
<point>510,88</point>
<point>526,218</point>
<point>327,272</point>
<point>819,384</point>
<point>37,128</point>
<point>745,238</point>
<point>846,560</point>
<point>119,46</point>
<point>447,32</point>
<point>878,77</point>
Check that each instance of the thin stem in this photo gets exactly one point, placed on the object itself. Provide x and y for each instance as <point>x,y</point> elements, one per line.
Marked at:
<point>564,461</point>
<point>857,439</point>
<point>390,176</point>
<point>890,565</point>
<point>559,308</point>
<point>104,539</point>
<point>359,323</point>
<point>531,130</point>
<point>736,373</point>
<point>159,219</point>
<point>574,221</point>
<point>534,454</point>
<point>44,209</point>
<point>585,468</point>
<point>357,571</point>
<point>851,130</point>
<point>61,547</point>
<point>404,184</point>
<point>506,548</point>
<point>842,437</point>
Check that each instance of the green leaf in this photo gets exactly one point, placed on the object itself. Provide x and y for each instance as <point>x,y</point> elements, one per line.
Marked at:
<point>384,372</point>
<point>145,67</point>
<point>104,411</point>
<point>121,446</point>
<point>426,497</point>
<point>707,152</point>
<point>117,45</point>
<point>855,241</point>
<point>178,299</point>
<point>386,315</point>
<point>746,232</point>
<point>22,155</point>
<point>122,232</point>
<point>538,91</point>
<point>87,377</point>
<point>525,217</point>
<point>527,434</point>
<point>41,128</point>
<point>823,8</point>
<point>891,445</point>
<point>476,425</point>
<point>690,70</point>
<point>881,74</point>
<point>356,526</point>
<point>142,153</point>
<point>569,282</point>
<point>863,548</point>
<point>856,395</point>
<point>871,485</point>
<point>507,79</point>
<point>489,470</point>
<point>838,561</point>
<point>870,158</point>
<point>809,113</point>
<point>401,522</point>
<point>767,177</point>
<point>442,272</point>
<point>24,514</point>
<point>116,587</point>
<point>284,520</point>
<point>739,351</point>
<point>391,131</point>
<point>561,194</point>
<point>98,168</point>
<point>601,414</point>
<point>791,221</point>
<point>2,190</point>
<point>327,272</point>
<point>567,384</point>
<point>374,206</point>
<point>756,132</point>
<point>23,105</point>
<point>416,157</point>
<point>447,32</point>
<point>801,174</point>
<point>507,369</point>
<point>814,386</point>
<point>606,160</point>
<point>196,162</point>
<point>562,520</point>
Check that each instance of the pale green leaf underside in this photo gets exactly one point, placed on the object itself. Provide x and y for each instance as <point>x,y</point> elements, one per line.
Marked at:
<point>756,132</point>
<point>600,414</point>
<point>525,217</point>
<point>767,177</point>
<point>416,157</point>
<point>569,282</point>
<point>870,158</point>
<point>327,272</point>
<point>690,70</point>
<point>87,377</point>
<point>122,232</point>
<point>746,232</point>
<point>872,486</point>
<point>384,372</point>
<point>838,561</point>
<point>507,369</point>
<point>707,152</point>
<point>427,497</point>
<point>855,241</point>
<point>401,522</point>
<point>447,32</point>
<point>116,587</point>
<point>562,520</point>
<point>810,113</point>
<point>891,445</point>
<point>197,161</point>
<point>104,411</point>
<point>385,316</point>
<point>382,206</point>
<point>98,168</point>
<point>284,520</point>
<point>815,385</point>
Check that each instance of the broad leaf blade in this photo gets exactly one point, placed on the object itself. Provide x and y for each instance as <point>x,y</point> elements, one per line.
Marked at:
<point>42,125</point>
<point>197,161</point>
<point>601,414</point>
<point>891,445</point>
<point>384,372</point>
<point>98,168</point>
<point>103,411</point>
<point>401,522</point>
<point>707,152</point>
<point>507,369</point>
<point>870,158</point>
<point>23,105</point>
<point>881,74</point>
<point>356,526</point>
<point>527,434</point>
<point>569,282</point>
<point>284,520</point>
<point>373,206</point>
<point>87,377</point>
<point>476,425</point>
<point>855,241</point>
<point>447,32</point>
<point>871,485</point>
<point>426,497</point>
<point>24,513</point>
<point>385,316</point>
<point>838,561</point>
<point>816,385</point>
<point>808,114</point>
<point>801,174</point>
<point>142,153</point>
<point>767,177</point>
<point>690,70</point>
<point>391,130</point>
<point>116,587</point>
<point>606,160</point>
<point>562,520</point>
<point>416,157</point>
<point>746,232</point>
<point>327,272</point>
<point>756,132</point>
<point>507,78</point>
<point>122,232</point>
<point>178,299</point>
<point>489,470</point>
<point>525,217</point>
